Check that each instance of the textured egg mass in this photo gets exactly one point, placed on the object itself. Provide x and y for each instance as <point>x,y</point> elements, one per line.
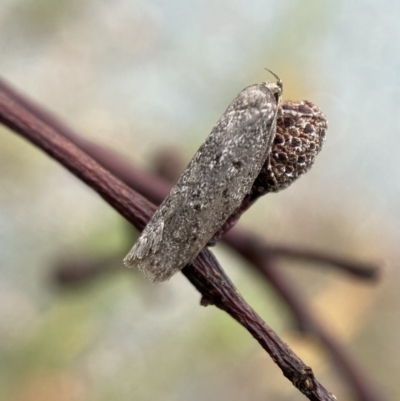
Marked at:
<point>300,134</point>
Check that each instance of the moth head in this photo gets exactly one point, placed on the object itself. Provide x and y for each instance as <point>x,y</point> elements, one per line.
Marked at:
<point>276,88</point>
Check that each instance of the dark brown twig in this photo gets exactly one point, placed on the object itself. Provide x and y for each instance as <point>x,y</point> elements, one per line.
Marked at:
<point>252,244</point>
<point>363,387</point>
<point>204,273</point>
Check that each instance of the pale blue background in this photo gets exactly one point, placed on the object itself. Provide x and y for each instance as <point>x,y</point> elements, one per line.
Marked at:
<point>138,76</point>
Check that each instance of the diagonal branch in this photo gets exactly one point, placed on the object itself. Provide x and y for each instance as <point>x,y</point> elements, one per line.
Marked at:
<point>363,387</point>
<point>204,273</point>
<point>366,272</point>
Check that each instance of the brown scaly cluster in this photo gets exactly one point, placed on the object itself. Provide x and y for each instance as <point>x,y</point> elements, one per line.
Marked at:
<point>300,134</point>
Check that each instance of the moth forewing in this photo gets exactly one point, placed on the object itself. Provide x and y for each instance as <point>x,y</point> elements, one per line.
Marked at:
<point>212,186</point>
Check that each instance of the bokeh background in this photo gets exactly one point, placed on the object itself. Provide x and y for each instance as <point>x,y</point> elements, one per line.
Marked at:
<point>142,76</point>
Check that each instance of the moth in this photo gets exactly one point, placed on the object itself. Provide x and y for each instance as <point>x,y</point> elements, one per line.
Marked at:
<point>213,185</point>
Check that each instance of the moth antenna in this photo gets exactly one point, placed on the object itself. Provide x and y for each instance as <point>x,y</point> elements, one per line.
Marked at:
<point>278,80</point>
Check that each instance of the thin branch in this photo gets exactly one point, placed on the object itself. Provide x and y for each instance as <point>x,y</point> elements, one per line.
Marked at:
<point>252,244</point>
<point>363,387</point>
<point>204,273</point>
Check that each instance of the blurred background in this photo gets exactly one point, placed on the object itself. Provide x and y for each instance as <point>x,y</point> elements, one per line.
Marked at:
<point>143,76</point>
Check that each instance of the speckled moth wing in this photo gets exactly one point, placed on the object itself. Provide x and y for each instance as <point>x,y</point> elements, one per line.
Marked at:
<point>212,186</point>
